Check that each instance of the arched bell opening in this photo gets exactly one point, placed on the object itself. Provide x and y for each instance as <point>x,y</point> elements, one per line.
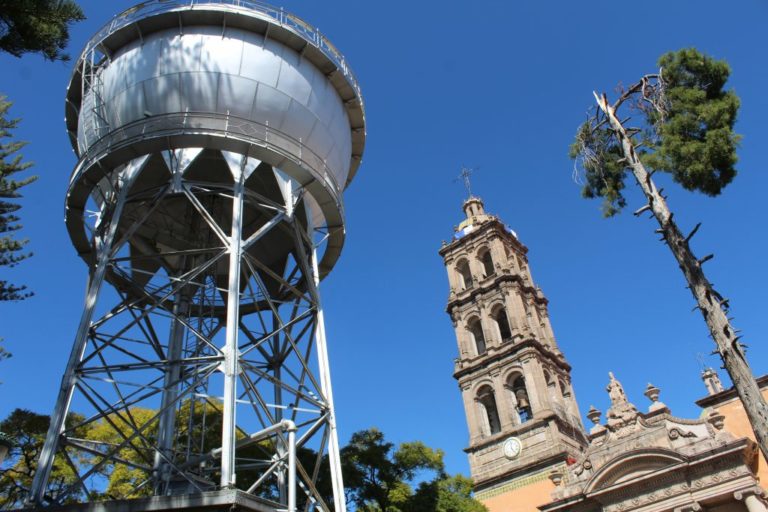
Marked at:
<point>486,260</point>
<point>475,329</point>
<point>519,397</point>
<point>464,273</point>
<point>489,412</point>
<point>499,316</point>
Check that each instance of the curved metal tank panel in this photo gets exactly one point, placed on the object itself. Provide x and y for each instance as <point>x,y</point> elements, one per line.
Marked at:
<point>238,74</point>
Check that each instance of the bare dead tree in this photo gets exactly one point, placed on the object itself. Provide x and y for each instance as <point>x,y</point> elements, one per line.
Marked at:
<point>649,95</point>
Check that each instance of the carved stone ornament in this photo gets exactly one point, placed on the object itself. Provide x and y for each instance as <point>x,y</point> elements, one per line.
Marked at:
<point>716,419</point>
<point>676,433</point>
<point>594,415</point>
<point>556,476</point>
<point>622,415</point>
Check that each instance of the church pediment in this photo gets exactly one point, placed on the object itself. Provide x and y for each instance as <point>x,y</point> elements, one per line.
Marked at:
<point>632,466</point>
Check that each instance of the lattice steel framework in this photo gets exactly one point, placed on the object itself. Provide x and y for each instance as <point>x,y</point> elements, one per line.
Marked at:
<point>205,360</point>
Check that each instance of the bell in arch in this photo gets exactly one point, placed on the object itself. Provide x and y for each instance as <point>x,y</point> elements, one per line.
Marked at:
<point>522,398</point>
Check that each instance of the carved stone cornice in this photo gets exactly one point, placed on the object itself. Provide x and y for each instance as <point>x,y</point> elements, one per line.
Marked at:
<point>493,283</point>
<point>517,430</point>
<point>482,229</point>
<point>537,465</point>
<point>729,394</point>
<point>506,351</point>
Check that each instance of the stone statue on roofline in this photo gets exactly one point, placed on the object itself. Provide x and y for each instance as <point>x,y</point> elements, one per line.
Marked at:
<point>621,412</point>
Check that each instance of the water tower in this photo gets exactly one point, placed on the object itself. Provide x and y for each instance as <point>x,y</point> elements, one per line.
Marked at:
<point>215,139</point>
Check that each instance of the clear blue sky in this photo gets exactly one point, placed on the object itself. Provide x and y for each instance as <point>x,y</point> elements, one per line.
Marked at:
<point>497,84</point>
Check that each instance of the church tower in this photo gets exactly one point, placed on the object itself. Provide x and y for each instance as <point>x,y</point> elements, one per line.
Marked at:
<point>522,414</point>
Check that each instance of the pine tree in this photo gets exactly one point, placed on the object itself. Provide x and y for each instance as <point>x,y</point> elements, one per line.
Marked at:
<point>11,249</point>
<point>687,132</point>
<point>37,26</point>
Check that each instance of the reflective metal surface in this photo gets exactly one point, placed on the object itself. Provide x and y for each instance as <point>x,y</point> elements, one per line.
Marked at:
<point>252,8</point>
<point>240,74</point>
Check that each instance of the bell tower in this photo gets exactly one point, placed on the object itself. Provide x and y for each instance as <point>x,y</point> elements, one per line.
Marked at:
<point>515,382</point>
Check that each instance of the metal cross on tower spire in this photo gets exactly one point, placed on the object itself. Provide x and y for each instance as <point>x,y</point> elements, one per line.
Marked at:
<point>464,175</point>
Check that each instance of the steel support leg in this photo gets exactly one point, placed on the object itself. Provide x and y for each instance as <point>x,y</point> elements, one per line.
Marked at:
<point>228,477</point>
<point>167,423</point>
<point>324,368</point>
<point>98,272</point>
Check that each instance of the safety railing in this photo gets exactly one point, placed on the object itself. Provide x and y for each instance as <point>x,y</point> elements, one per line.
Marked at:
<point>180,123</point>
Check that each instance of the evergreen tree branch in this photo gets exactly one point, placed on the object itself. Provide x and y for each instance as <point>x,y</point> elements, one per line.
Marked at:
<point>11,163</point>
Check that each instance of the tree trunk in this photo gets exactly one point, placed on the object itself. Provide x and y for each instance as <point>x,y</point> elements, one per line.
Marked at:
<point>711,304</point>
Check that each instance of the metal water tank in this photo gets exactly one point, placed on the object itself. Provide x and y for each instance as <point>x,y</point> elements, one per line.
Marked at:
<point>237,76</point>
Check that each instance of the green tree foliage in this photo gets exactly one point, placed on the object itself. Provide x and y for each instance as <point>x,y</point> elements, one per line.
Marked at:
<point>380,477</point>
<point>198,427</point>
<point>37,26</point>
<point>124,480</point>
<point>4,354</point>
<point>696,142</point>
<point>445,494</point>
<point>11,249</point>
<point>687,132</point>
<point>603,172</point>
<point>27,432</point>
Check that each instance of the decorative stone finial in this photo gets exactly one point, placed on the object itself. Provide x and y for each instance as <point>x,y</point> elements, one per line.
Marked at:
<point>712,381</point>
<point>556,476</point>
<point>594,416</point>
<point>716,419</point>
<point>652,392</point>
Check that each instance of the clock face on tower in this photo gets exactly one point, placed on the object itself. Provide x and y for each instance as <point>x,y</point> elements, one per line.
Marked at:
<point>512,447</point>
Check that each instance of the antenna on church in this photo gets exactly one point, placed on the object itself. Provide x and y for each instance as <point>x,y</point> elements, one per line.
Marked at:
<point>700,359</point>
<point>464,175</point>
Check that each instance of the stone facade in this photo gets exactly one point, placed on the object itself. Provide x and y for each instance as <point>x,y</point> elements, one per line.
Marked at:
<point>735,421</point>
<point>656,462</point>
<point>528,450</point>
